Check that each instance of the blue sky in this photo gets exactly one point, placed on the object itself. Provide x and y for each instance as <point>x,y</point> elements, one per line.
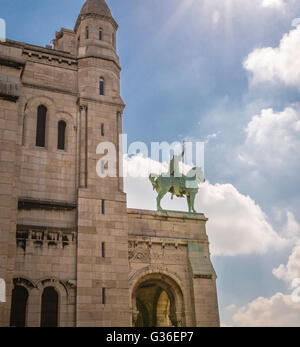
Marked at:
<point>203,69</point>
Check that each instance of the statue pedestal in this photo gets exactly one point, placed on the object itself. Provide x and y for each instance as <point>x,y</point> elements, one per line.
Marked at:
<point>169,251</point>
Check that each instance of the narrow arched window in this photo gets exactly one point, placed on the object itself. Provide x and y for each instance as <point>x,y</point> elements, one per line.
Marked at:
<point>49,313</point>
<point>100,34</point>
<point>18,307</point>
<point>41,126</point>
<point>61,135</point>
<point>113,39</point>
<point>101,86</point>
<point>87,33</point>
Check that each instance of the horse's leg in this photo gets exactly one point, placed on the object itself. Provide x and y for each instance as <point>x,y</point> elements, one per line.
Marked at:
<point>159,198</point>
<point>192,199</point>
<point>188,198</point>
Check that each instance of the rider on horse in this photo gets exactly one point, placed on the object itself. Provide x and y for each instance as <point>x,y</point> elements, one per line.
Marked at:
<point>174,171</point>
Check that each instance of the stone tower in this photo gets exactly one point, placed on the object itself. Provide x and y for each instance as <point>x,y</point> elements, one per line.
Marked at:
<point>71,253</point>
<point>102,213</point>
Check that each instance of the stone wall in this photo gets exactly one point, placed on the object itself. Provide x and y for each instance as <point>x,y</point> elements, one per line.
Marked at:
<point>63,226</point>
<point>11,67</point>
<point>174,245</point>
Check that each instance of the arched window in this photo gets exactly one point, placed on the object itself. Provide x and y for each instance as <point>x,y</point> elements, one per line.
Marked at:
<point>41,126</point>
<point>18,307</point>
<point>49,314</point>
<point>61,135</point>
<point>101,86</point>
<point>87,33</point>
<point>113,39</point>
<point>100,34</point>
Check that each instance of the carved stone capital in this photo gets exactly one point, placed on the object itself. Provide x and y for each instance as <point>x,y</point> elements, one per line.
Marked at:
<point>83,107</point>
<point>135,314</point>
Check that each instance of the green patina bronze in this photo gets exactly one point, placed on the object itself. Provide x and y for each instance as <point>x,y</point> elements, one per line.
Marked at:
<point>178,184</point>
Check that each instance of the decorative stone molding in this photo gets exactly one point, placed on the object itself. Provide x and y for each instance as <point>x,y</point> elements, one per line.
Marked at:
<point>10,90</point>
<point>52,59</point>
<point>44,236</point>
<point>139,255</point>
<point>24,282</point>
<point>36,204</point>
<point>72,284</point>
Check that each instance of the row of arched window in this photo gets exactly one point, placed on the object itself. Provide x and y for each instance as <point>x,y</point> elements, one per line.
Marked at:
<point>49,308</point>
<point>100,32</point>
<point>61,125</point>
<point>41,129</point>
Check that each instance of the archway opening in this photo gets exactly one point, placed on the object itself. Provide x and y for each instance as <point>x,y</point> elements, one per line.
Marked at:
<point>49,314</point>
<point>155,303</point>
<point>18,307</point>
<point>163,310</point>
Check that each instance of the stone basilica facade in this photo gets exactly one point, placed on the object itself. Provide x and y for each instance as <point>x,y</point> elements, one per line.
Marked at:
<point>71,252</point>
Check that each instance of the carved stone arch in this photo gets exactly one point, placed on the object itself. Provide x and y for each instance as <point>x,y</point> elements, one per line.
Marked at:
<point>133,277</point>
<point>29,118</point>
<point>166,281</point>
<point>36,100</point>
<point>29,286</point>
<point>65,116</point>
<point>53,282</point>
<point>63,296</point>
<point>25,282</point>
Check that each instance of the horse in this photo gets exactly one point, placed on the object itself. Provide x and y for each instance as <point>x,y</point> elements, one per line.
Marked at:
<point>186,185</point>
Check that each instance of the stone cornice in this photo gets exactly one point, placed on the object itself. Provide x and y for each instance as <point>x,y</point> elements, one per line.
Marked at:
<point>38,204</point>
<point>23,227</point>
<point>51,58</point>
<point>118,104</point>
<point>167,214</point>
<point>104,57</point>
<point>97,16</point>
<point>14,62</point>
<point>40,49</point>
<point>50,89</point>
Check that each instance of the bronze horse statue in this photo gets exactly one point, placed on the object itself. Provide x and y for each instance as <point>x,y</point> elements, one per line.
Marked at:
<point>186,185</point>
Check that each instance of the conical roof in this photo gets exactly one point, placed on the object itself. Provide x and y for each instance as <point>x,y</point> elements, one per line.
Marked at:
<point>99,7</point>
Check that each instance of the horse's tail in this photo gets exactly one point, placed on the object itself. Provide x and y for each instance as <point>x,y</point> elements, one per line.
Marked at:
<point>153,180</point>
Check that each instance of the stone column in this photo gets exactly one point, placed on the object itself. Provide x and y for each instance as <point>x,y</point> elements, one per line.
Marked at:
<point>83,143</point>
<point>34,308</point>
<point>119,152</point>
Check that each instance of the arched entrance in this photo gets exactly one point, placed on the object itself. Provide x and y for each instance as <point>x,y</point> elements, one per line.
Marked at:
<point>157,301</point>
<point>49,314</point>
<point>18,307</point>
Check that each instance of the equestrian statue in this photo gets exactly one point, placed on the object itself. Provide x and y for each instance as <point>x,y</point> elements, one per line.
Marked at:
<point>177,183</point>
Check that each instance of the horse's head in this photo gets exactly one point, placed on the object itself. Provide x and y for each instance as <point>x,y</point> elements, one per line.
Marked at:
<point>195,177</point>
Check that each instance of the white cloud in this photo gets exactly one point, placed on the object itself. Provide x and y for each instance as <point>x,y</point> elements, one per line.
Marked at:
<point>213,136</point>
<point>230,308</point>
<point>216,16</point>
<point>280,64</point>
<point>292,228</point>
<point>282,310</point>
<point>291,270</point>
<point>236,226</point>
<point>273,3</point>
<point>273,139</point>
<point>295,22</point>
<point>279,310</point>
